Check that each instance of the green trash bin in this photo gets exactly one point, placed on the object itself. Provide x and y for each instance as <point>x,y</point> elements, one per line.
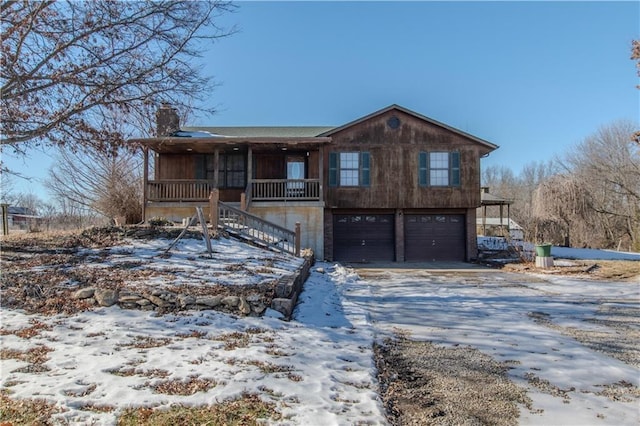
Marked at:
<point>543,250</point>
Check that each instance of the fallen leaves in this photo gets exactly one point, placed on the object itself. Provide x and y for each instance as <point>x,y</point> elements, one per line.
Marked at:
<point>26,411</point>
<point>184,387</point>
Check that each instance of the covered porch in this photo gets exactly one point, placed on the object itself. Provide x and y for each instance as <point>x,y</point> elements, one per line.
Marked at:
<point>186,169</point>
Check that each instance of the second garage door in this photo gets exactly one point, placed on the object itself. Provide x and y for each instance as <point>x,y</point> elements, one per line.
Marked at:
<point>363,237</point>
<point>433,237</point>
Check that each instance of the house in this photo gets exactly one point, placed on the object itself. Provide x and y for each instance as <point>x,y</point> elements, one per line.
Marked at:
<point>391,186</point>
<point>21,216</point>
<point>497,226</point>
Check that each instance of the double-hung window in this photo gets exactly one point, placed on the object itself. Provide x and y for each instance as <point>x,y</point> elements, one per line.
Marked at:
<point>439,168</point>
<point>349,169</point>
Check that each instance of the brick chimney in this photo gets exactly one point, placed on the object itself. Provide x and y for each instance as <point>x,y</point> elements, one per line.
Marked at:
<point>167,120</point>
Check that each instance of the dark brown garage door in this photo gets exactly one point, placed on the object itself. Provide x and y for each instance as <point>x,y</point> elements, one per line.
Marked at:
<point>363,237</point>
<point>432,237</point>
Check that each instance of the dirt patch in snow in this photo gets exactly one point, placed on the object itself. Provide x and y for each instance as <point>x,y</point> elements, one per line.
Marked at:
<point>618,270</point>
<point>422,383</point>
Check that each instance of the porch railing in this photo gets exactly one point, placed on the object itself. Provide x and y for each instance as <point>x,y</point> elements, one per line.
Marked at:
<point>179,190</point>
<point>257,190</point>
<point>285,189</point>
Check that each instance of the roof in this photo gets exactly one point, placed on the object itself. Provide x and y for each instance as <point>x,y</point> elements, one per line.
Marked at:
<point>206,138</point>
<point>202,145</point>
<point>22,211</point>
<point>263,131</point>
<point>493,200</point>
<point>483,142</point>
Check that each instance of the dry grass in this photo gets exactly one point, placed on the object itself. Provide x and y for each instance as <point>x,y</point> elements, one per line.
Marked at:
<point>144,342</point>
<point>130,371</point>
<point>184,387</point>
<point>234,340</point>
<point>103,408</point>
<point>609,270</point>
<point>35,355</point>
<point>269,367</point>
<point>192,333</point>
<point>247,410</point>
<point>36,412</point>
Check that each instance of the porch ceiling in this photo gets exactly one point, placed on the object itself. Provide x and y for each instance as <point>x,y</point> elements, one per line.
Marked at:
<point>209,144</point>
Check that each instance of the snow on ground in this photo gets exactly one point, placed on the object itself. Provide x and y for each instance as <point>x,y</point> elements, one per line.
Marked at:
<point>592,254</point>
<point>500,243</point>
<point>318,368</point>
<point>525,321</point>
<point>231,263</point>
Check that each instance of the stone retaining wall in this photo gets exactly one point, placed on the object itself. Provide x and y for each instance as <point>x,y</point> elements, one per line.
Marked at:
<point>247,301</point>
<point>289,288</point>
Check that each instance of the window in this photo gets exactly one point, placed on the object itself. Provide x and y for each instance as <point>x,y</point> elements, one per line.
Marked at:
<point>439,169</point>
<point>349,169</point>
<point>231,169</point>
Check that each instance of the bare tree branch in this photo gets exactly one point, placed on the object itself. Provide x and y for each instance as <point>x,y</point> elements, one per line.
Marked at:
<point>66,65</point>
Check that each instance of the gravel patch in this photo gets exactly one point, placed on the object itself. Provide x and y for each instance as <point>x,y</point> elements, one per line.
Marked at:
<point>426,384</point>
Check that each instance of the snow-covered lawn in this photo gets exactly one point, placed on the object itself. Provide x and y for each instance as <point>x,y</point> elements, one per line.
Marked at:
<point>318,369</point>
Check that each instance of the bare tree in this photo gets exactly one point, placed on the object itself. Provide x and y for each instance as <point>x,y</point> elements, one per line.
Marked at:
<point>520,188</point>
<point>7,187</point>
<point>608,163</point>
<point>30,201</point>
<point>67,66</point>
<point>560,204</point>
<point>109,183</point>
<point>635,56</point>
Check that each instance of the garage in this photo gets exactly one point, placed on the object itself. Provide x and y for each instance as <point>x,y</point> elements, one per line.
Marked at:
<point>363,237</point>
<point>434,237</point>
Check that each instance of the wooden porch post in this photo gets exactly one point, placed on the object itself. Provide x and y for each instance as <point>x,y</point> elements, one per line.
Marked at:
<point>5,219</point>
<point>321,172</point>
<point>216,167</point>
<point>243,196</point>
<point>145,182</point>
<point>213,208</point>
<point>297,238</point>
<point>249,164</point>
<point>484,220</point>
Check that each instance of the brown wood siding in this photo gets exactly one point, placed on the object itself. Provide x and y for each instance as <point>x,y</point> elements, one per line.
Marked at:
<point>312,165</point>
<point>175,166</point>
<point>270,166</point>
<point>394,157</point>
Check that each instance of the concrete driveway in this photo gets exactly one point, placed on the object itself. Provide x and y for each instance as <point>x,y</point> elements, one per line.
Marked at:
<point>567,340</point>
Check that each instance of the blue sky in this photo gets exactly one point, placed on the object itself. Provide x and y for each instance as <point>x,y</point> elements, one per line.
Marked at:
<point>533,77</point>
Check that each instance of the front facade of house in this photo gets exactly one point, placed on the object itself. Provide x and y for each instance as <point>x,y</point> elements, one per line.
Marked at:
<point>390,186</point>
